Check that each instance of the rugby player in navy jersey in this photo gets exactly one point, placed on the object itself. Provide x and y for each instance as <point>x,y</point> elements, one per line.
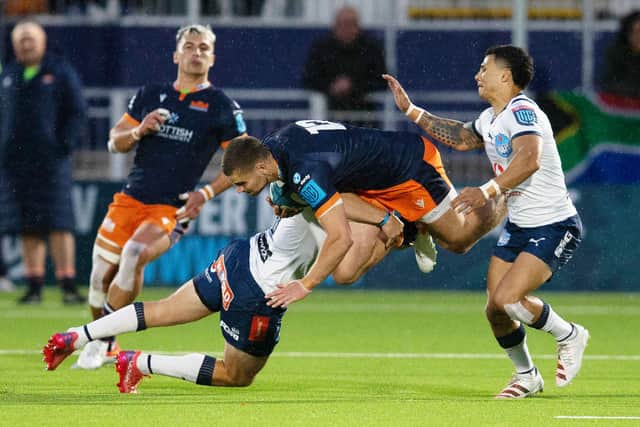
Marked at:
<point>321,161</point>
<point>175,129</point>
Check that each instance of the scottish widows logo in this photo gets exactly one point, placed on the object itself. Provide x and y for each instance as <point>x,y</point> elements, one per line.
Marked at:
<point>503,145</point>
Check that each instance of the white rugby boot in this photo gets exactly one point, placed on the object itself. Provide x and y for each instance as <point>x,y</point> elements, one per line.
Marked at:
<point>570,353</point>
<point>6,285</point>
<point>96,354</point>
<point>523,385</point>
<point>426,252</point>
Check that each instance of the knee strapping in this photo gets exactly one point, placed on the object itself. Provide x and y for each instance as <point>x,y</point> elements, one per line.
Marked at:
<point>99,269</point>
<point>517,311</point>
<point>125,279</point>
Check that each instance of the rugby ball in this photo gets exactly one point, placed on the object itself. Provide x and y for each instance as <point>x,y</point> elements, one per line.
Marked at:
<point>280,196</point>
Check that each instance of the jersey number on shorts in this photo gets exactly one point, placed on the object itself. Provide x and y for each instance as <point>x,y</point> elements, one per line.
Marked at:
<point>225,289</point>
<point>315,126</point>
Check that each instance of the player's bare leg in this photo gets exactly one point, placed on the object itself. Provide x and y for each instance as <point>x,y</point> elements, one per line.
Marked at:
<point>510,306</point>
<point>511,336</point>
<point>367,250</point>
<point>458,232</point>
<point>145,245</point>
<point>237,369</point>
<point>102,274</point>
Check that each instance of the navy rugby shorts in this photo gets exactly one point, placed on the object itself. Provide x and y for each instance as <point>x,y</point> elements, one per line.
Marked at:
<point>553,243</point>
<point>227,286</point>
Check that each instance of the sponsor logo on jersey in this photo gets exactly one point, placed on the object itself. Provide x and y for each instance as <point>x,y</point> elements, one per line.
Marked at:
<point>561,246</point>
<point>503,145</point>
<point>420,203</point>
<point>504,238</point>
<point>173,118</point>
<point>263,247</point>
<point>312,193</point>
<point>199,106</point>
<point>163,96</point>
<point>232,332</point>
<point>175,133</point>
<point>296,178</point>
<point>108,225</point>
<point>259,328</point>
<point>537,241</point>
<point>131,102</point>
<point>225,289</point>
<point>208,271</point>
<point>525,115</point>
<point>241,126</point>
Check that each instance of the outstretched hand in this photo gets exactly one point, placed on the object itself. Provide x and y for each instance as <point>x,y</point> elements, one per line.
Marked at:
<point>287,294</point>
<point>469,199</point>
<point>191,208</point>
<point>399,95</point>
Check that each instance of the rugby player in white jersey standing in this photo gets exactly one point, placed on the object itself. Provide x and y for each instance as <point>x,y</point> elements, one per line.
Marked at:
<point>543,227</point>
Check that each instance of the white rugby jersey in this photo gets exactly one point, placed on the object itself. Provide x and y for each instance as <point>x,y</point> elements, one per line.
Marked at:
<point>282,253</point>
<point>543,197</point>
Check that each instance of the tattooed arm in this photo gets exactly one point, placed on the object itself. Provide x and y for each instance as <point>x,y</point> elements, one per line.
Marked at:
<point>454,133</point>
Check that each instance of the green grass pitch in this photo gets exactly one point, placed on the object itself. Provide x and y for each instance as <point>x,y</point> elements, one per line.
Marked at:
<point>346,358</point>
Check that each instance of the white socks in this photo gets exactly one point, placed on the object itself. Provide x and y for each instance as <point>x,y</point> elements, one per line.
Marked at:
<point>185,367</point>
<point>557,326</point>
<point>116,323</point>
<point>520,357</point>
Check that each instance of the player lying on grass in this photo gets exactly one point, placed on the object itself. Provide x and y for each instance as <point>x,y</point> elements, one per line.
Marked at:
<point>235,285</point>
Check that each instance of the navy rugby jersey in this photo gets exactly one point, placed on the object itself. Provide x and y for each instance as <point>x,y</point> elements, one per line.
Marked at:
<point>172,160</point>
<point>317,159</point>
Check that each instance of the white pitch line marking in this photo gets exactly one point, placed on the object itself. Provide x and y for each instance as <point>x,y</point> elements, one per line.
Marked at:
<point>373,355</point>
<point>594,417</point>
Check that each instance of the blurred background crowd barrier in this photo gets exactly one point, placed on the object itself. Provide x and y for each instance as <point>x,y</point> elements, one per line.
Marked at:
<point>434,47</point>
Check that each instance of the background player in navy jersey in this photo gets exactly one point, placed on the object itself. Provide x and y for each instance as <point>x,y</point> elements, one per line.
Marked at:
<point>235,284</point>
<point>320,161</point>
<point>175,128</point>
<point>543,229</point>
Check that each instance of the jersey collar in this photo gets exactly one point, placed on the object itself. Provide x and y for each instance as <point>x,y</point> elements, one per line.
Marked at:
<point>199,87</point>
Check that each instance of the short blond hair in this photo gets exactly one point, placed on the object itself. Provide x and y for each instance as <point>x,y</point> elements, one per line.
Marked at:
<point>195,29</point>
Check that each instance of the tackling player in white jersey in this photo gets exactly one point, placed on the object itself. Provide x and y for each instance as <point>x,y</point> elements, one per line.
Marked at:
<point>543,227</point>
<point>235,284</point>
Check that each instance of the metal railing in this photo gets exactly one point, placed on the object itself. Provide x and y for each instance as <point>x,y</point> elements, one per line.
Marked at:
<point>266,110</point>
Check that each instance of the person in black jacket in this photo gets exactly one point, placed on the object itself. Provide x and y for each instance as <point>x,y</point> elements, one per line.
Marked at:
<point>41,117</point>
<point>346,65</point>
<point>621,75</point>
